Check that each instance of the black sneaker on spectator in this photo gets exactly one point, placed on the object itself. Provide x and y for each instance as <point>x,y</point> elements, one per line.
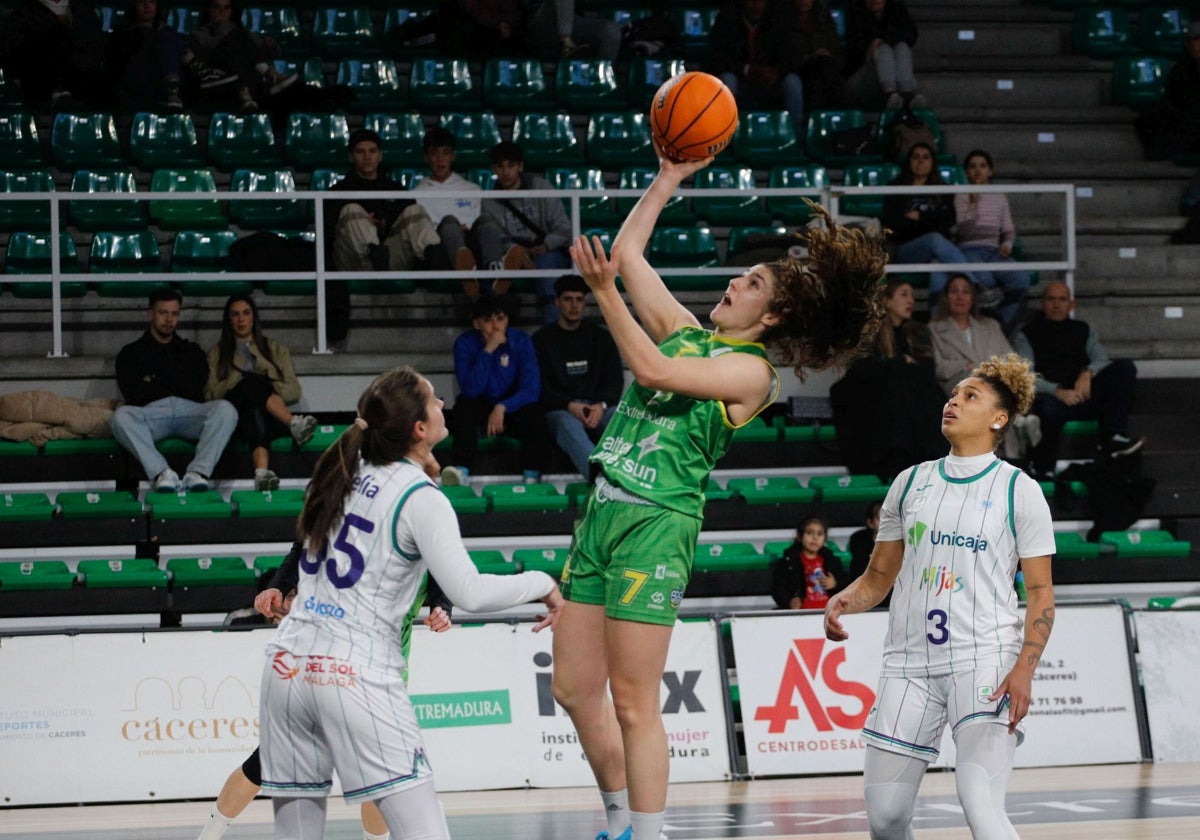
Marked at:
<point>894,102</point>
<point>1119,446</point>
<point>990,298</point>
<point>208,76</point>
<point>918,101</point>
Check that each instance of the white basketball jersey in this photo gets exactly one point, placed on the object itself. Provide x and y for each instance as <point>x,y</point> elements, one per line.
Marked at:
<point>965,523</point>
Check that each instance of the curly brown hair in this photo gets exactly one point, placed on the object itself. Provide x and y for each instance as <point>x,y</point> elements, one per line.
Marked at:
<point>831,306</point>
<point>1014,382</point>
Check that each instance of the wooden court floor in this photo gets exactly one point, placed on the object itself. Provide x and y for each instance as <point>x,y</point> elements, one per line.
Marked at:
<point>1115,802</point>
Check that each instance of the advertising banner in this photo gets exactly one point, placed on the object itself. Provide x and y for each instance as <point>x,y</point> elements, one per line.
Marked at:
<point>1167,644</point>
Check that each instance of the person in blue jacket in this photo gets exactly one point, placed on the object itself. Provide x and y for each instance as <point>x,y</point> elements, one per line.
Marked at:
<point>499,388</point>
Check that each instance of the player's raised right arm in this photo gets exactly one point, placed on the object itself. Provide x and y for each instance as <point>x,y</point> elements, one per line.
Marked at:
<point>867,590</point>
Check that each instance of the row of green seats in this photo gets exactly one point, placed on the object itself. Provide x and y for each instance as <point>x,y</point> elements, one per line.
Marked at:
<point>1122,544</point>
<point>1105,31</point>
<point>178,573</point>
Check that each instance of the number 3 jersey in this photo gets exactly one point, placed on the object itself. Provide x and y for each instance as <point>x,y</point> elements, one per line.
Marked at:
<point>965,524</point>
<point>354,594</point>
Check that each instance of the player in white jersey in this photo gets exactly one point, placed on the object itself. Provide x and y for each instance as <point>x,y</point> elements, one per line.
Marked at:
<point>333,695</point>
<point>951,533</point>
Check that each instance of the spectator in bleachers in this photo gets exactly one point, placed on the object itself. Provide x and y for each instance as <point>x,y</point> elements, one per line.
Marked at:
<point>808,572</point>
<point>539,226</point>
<point>986,234</point>
<point>581,372</point>
<point>162,377</point>
<point>1076,380</point>
<point>468,237</point>
<point>478,27</point>
<point>221,43</point>
<point>145,58</point>
<point>499,386</point>
<point>922,226</point>
<point>880,35</point>
<point>888,405</point>
<point>816,52</point>
<point>750,55</point>
<point>1172,126</point>
<point>55,49</point>
<point>255,374</point>
<point>556,31</point>
<point>862,543</point>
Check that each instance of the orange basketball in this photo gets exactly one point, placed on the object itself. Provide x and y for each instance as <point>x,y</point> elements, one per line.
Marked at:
<point>693,116</point>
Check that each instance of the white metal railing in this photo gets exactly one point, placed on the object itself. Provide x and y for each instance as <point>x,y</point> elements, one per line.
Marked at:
<point>830,196</point>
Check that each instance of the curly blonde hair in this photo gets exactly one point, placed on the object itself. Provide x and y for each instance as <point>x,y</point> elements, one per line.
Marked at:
<point>831,306</point>
<point>1013,379</point>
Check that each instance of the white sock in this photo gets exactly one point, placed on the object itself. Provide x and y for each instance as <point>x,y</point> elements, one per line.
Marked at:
<point>369,836</point>
<point>216,826</point>
<point>646,826</point>
<point>616,810</point>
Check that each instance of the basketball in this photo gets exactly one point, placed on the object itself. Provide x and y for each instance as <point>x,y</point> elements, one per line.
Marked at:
<point>693,116</point>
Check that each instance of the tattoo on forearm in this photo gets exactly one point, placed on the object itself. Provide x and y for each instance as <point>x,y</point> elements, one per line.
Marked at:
<point>1042,625</point>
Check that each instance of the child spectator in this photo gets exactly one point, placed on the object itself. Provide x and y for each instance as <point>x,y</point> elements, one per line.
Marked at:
<point>808,572</point>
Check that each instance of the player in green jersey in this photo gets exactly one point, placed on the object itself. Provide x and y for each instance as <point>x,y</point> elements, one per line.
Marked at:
<point>632,555</point>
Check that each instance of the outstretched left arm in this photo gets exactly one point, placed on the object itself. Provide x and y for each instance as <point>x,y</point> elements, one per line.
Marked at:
<point>1039,621</point>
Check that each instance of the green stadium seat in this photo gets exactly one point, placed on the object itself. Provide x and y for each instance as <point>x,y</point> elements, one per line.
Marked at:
<point>284,214</point>
<point>475,133</point>
<point>772,490</point>
<point>743,209</point>
<point>111,17</point>
<point>685,247</point>
<point>886,131</point>
<point>98,504</point>
<point>1072,545</point>
<point>1161,29</point>
<point>324,437</point>
<point>491,562</point>
<point>183,20</point>
<point>1081,427</point>
<point>441,83</point>
<point>646,75</point>
<point>236,140</point>
<point>866,175</point>
<point>313,140</point>
<point>105,215</point>
<point>32,575</point>
<point>792,209</point>
<point>266,564</point>
<point>619,138</point>
<point>323,179</point>
<point>157,140</point>
<point>181,215</point>
<point>25,215</point>
<point>403,135</point>
<point>639,178</point>
<point>848,488</point>
<point>201,251</point>
<point>87,140</point>
<point>1139,81</point>
<point>29,253</point>
<point>952,173</point>
<point>548,560</point>
<point>741,238</point>
<point>1152,543</point>
<point>280,23</point>
<point>11,94</point>
<point>766,138</point>
<point>206,505</point>
<point>209,571</point>
<point>310,70</point>
<point>807,433</point>
<point>82,446</point>
<point>714,492</point>
<point>259,504</point>
<point>20,145</point>
<point>729,557</point>
<point>1161,602</point>
<point>577,492</point>
<point>375,82</point>
<point>17,449</point>
<point>596,210</point>
<point>1101,31</point>
<point>694,25</point>
<point>116,252</point>
<point>483,176</point>
<point>515,84</point>
<point>525,497</point>
<point>547,138</point>
<point>756,430</point>
<point>464,499</point>
<point>821,125</point>
<point>606,235</point>
<point>587,84</point>
<point>394,39</point>
<point>140,573</point>
<point>26,507</point>
<point>338,32</point>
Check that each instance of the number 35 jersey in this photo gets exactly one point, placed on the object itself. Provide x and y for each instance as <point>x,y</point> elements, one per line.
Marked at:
<point>965,523</point>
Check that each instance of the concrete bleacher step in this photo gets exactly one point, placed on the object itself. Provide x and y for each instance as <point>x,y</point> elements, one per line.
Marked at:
<point>1099,200</point>
<point>1048,141</point>
<point>972,39</point>
<point>947,91</point>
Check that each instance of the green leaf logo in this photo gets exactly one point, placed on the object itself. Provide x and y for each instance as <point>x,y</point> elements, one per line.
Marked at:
<point>915,533</point>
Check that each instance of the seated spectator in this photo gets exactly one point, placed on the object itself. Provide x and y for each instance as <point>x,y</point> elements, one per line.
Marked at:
<point>161,377</point>
<point>255,374</point>
<point>962,339</point>
<point>468,238</point>
<point>556,31</point>
<point>1077,380</point>
<point>222,44</point>
<point>862,543</point>
<point>749,54</point>
<point>472,28</point>
<point>55,49</point>
<point>538,225</point>
<point>816,52</point>
<point>581,371</point>
<point>986,235</point>
<point>922,225</point>
<point>880,36</point>
<point>808,572</point>
<point>499,385</point>
<point>145,58</point>
<point>1172,126</point>
<point>888,406</point>
<point>385,234</point>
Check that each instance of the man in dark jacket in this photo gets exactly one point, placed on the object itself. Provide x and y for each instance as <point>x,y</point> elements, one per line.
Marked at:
<point>161,377</point>
<point>1173,125</point>
<point>581,374</point>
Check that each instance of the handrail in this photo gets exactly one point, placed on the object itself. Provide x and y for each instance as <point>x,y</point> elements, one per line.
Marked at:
<point>829,195</point>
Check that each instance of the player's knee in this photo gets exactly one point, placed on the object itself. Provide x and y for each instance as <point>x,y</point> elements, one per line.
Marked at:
<point>889,811</point>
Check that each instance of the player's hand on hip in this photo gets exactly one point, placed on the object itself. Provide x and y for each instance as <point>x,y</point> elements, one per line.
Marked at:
<point>1018,685</point>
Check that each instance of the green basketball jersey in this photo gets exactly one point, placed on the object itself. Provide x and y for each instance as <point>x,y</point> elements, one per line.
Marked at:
<point>663,446</point>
